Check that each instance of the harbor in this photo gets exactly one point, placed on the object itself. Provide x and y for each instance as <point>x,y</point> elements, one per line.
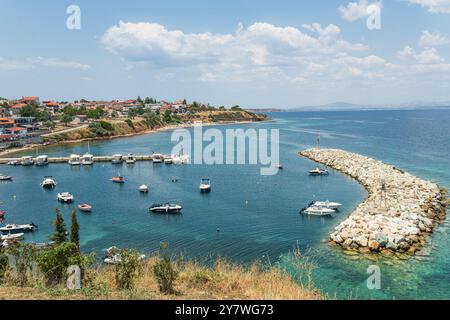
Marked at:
<point>400,211</point>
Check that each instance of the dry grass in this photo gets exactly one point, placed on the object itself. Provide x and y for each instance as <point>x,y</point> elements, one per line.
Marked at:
<point>223,281</point>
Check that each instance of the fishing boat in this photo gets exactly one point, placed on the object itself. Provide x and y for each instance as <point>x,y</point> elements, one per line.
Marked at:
<point>19,227</point>
<point>117,159</point>
<point>326,204</point>
<point>205,185</point>
<point>318,172</point>
<point>12,237</point>
<point>84,207</point>
<point>74,160</point>
<point>48,183</point>
<point>118,179</point>
<point>143,188</point>
<point>41,160</point>
<point>318,211</point>
<point>14,163</point>
<point>166,208</point>
<point>157,158</point>
<point>26,161</point>
<point>5,178</point>
<point>65,197</point>
<point>131,159</point>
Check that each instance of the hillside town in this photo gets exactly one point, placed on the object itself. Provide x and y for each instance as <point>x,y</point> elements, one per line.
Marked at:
<point>28,120</point>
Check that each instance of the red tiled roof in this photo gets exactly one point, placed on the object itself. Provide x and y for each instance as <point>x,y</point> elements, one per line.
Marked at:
<point>29,98</point>
<point>18,106</point>
<point>16,129</point>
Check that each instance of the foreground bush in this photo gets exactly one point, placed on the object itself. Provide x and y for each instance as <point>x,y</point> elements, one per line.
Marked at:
<point>128,269</point>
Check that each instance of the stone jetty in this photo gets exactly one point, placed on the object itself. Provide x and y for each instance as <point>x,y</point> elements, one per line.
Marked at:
<point>399,212</point>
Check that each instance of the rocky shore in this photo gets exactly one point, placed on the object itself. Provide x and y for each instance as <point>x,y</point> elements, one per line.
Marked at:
<point>400,211</point>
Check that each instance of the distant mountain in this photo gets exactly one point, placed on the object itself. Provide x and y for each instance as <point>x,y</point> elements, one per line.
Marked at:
<point>345,106</point>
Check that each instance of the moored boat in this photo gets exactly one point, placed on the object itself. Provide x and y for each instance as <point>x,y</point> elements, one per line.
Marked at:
<point>87,159</point>
<point>143,188</point>
<point>41,160</point>
<point>5,178</point>
<point>65,197</point>
<point>166,208</point>
<point>117,159</point>
<point>84,207</point>
<point>48,182</point>
<point>318,172</point>
<point>168,159</point>
<point>26,161</point>
<point>318,211</point>
<point>326,204</point>
<point>118,179</point>
<point>157,158</point>
<point>130,159</point>
<point>74,160</point>
<point>12,237</point>
<point>14,163</point>
<point>205,185</point>
<point>113,256</point>
<point>19,227</point>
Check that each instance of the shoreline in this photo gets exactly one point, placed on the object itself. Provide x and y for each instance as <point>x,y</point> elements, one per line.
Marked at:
<point>13,151</point>
<point>394,221</point>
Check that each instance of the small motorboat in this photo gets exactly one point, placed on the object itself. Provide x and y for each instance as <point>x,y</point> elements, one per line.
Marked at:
<point>5,178</point>
<point>12,237</point>
<point>65,197</point>
<point>205,185</point>
<point>26,161</point>
<point>41,160</point>
<point>326,204</point>
<point>48,183</point>
<point>166,208</point>
<point>143,188</point>
<point>113,256</point>
<point>157,158</point>
<point>14,163</point>
<point>84,207</point>
<point>318,211</point>
<point>118,179</point>
<point>318,172</point>
<point>74,160</point>
<point>2,214</point>
<point>117,159</point>
<point>87,159</point>
<point>175,179</point>
<point>168,159</point>
<point>131,159</point>
<point>19,228</point>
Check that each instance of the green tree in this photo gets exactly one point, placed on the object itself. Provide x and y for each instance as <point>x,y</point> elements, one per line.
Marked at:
<point>167,116</point>
<point>60,234</point>
<point>128,268</point>
<point>164,271</point>
<point>66,119</point>
<point>74,230</point>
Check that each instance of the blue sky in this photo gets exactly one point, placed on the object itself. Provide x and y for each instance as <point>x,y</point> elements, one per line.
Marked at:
<point>253,53</point>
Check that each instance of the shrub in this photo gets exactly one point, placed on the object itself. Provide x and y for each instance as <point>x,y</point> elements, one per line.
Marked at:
<point>23,254</point>
<point>97,129</point>
<point>129,123</point>
<point>164,271</point>
<point>3,265</point>
<point>129,267</point>
<point>54,262</point>
<point>106,125</point>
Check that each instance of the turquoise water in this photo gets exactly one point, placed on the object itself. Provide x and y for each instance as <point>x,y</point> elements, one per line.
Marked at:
<point>249,216</point>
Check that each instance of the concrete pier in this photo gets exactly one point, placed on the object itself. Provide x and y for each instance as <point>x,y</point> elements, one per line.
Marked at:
<point>66,159</point>
<point>398,214</point>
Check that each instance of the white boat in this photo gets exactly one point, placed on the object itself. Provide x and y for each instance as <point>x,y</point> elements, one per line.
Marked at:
<point>131,159</point>
<point>48,183</point>
<point>166,208</point>
<point>185,159</point>
<point>327,204</point>
<point>176,160</point>
<point>157,158</point>
<point>84,207</point>
<point>143,188</point>
<point>168,159</point>
<point>41,160</point>
<point>12,237</point>
<point>117,159</point>
<point>318,211</point>
<point>113,256</point>
<point>74,160</point>
<point>26,161</point>
<point>5,178</point>
<point>14,163</point>
<point>65,197</point>
<point>318,172</point>
<point>87,159</point>
<point>205,185</point>
<point>18,227</point>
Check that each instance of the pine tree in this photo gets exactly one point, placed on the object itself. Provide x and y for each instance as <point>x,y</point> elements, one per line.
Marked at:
<point>74,230</point>
<point>60,234</point>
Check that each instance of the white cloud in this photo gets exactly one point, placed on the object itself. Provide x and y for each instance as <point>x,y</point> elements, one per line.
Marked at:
<point>32,62</point>
<point>428,39</point>
<point>358,10</point>
<point>427,56</point>
<point>434,6</point>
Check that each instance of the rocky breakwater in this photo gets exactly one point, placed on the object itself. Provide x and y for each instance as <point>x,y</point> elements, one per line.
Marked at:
<point>399,212</point>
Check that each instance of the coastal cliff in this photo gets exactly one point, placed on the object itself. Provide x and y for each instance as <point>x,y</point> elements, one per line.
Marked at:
<point>398,214</point>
